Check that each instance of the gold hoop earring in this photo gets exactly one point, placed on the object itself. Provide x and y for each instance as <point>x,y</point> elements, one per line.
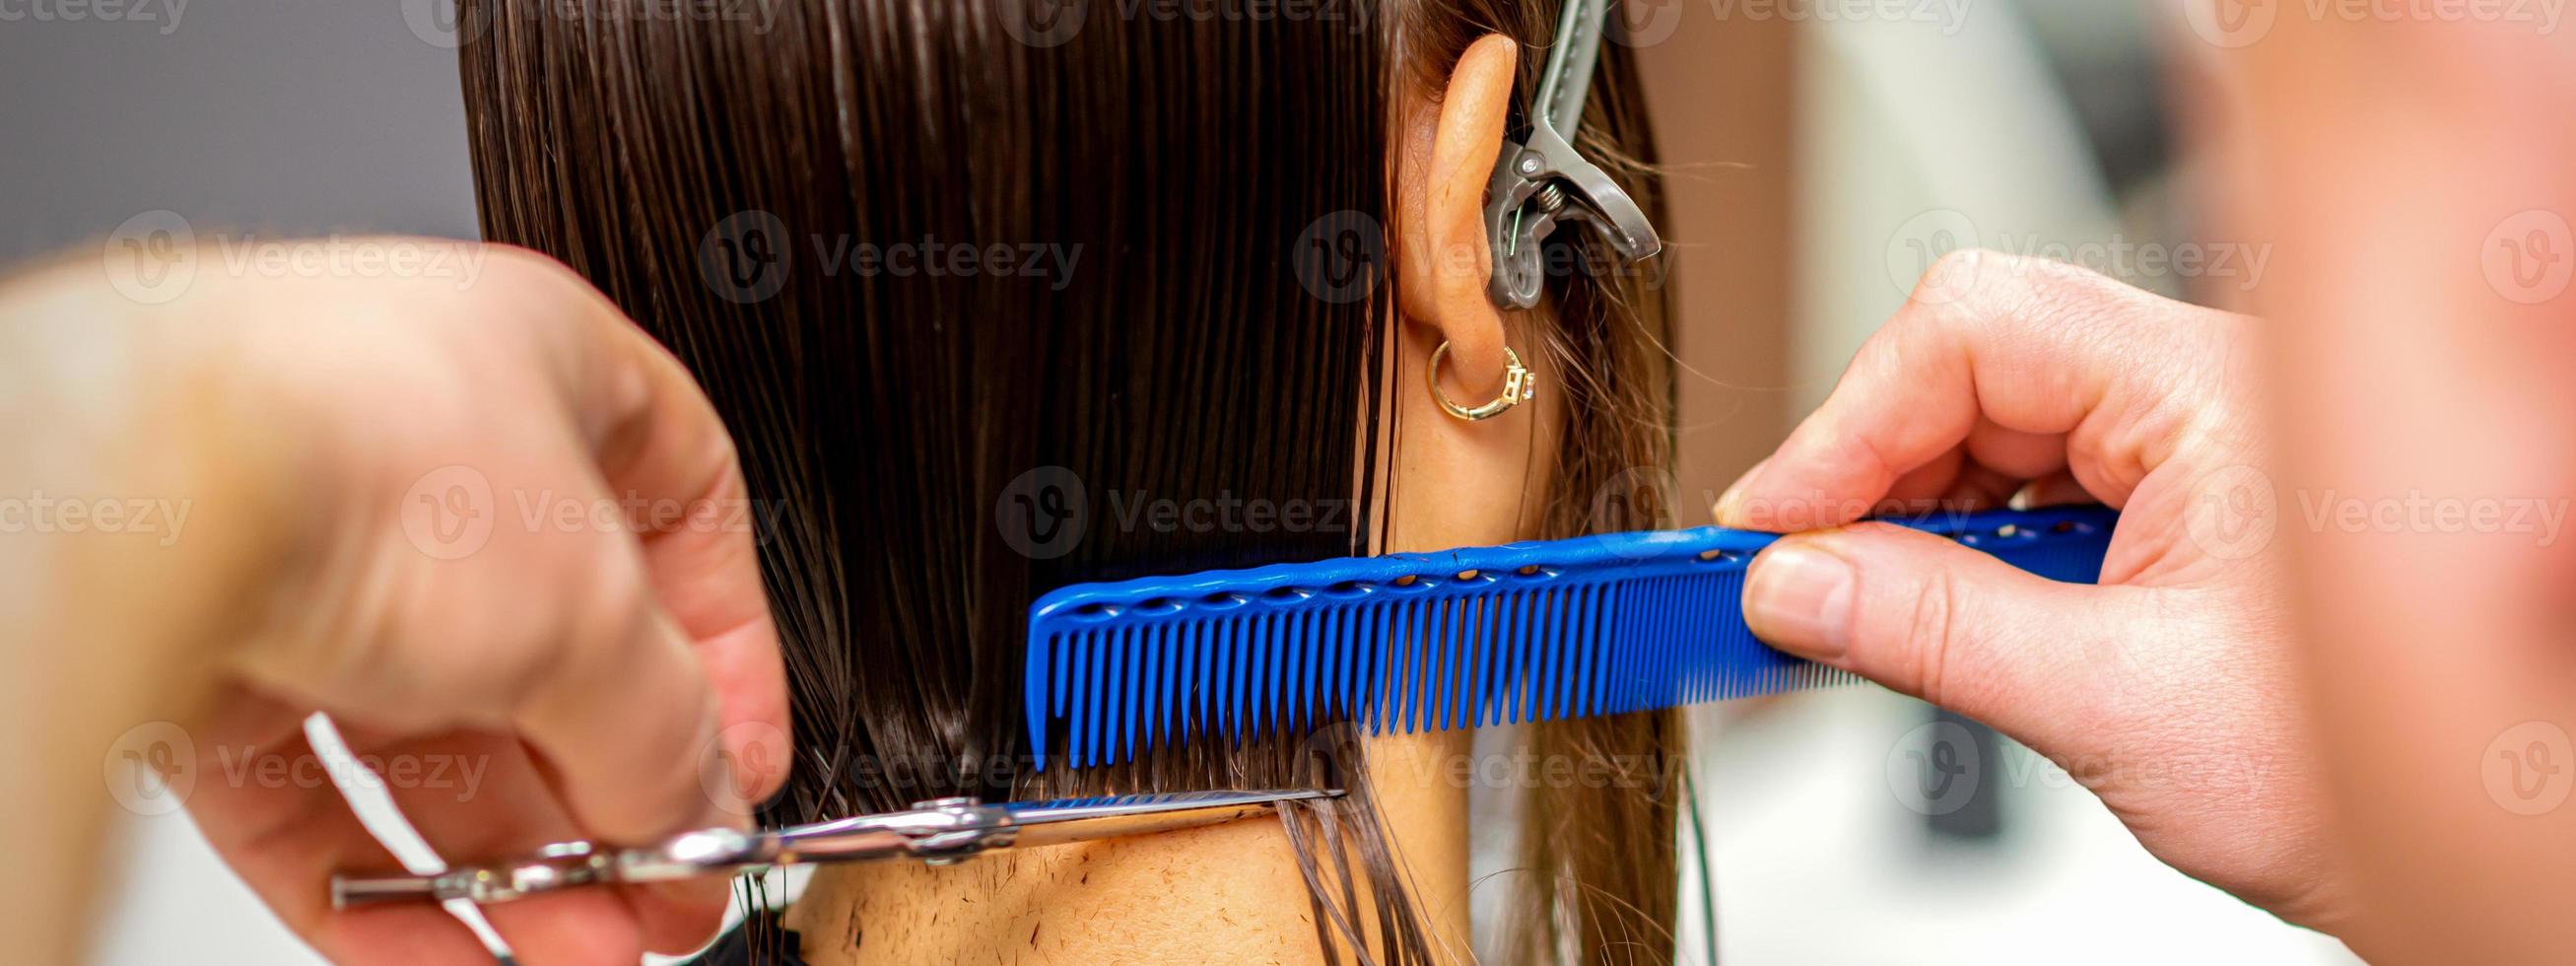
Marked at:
<point>1519,384</point>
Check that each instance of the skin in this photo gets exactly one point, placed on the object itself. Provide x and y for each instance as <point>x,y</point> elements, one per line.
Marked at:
<point>2434,370</point>
<point>590,672</point>
<point>1233,893</point>
<point>2305,713</point>
<point>2003,373</point>
<point>2331,695</point>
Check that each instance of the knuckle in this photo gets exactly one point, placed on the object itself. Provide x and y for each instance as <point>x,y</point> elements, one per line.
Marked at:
<point>1972,286</point>
<point>608,610</point>
<point>1932,627</point>
<point>2047,273</point>
<point>1959,280</point>
<point>1958,291</point>
<point>1961,263</point>
<point>577,608</point>
<point>529,266</point>
<point>533,291</point>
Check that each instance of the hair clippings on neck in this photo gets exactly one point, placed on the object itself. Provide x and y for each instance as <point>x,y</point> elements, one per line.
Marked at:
<point>939,832</point>
<point>1542,181</point>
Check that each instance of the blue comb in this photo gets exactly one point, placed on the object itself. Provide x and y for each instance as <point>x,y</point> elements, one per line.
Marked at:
<point>1461,638</point>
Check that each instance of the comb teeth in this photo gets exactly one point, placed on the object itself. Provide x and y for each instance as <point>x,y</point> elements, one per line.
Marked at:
<point>1427,642</point>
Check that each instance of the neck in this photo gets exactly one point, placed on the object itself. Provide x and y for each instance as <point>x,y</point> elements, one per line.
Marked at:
<point>1225,893</point>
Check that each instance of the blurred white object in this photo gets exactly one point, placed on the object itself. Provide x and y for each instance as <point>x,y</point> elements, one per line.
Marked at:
<point>178,903</point>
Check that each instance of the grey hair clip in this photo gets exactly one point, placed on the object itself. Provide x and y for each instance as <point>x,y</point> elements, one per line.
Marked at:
<point>1543,181</point>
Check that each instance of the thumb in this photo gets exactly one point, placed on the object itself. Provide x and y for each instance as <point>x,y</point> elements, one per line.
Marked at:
<point>1954,626</point>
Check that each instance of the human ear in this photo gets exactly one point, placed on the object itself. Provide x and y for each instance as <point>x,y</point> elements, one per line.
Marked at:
<point>1442,259</point>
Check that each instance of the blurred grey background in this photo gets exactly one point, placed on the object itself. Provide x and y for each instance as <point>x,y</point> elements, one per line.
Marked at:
<point>2036,121</point>
<point>281,117</point>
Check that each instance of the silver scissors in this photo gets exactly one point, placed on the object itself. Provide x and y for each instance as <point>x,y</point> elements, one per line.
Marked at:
<point>1541,180</point>
<point>937,832</point>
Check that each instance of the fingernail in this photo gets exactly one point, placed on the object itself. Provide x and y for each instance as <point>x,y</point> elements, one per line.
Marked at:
<point>1726,502</point>
<point>1725,511</point>
<point>1799,599</point>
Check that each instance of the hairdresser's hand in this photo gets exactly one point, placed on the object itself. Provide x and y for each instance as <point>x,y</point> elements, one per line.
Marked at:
<point>2167,690</point>
<point>486,524</point>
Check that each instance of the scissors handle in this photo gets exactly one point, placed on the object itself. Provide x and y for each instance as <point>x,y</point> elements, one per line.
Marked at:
<point>939,831</point>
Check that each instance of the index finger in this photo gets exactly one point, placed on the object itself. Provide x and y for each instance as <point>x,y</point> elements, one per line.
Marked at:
<point>662,449</point>
<point>2028,346</point>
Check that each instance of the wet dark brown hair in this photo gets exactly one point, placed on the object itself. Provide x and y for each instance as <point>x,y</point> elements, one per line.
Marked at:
<point>1162,219</point>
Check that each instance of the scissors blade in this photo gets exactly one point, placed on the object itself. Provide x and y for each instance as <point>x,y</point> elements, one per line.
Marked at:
<point>939,831</point>
<point>1084,819</point>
